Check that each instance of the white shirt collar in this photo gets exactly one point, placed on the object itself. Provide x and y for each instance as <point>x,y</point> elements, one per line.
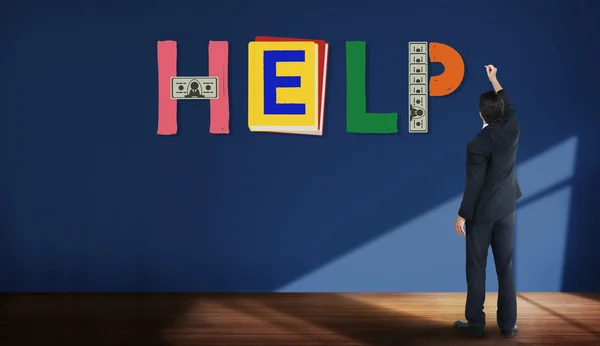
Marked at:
<point>484,125</point>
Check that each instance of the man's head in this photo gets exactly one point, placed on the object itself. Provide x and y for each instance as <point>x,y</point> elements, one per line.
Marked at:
<point>491,107</point>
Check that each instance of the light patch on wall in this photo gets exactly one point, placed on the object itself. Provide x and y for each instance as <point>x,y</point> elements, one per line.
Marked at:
<point>426,255</point>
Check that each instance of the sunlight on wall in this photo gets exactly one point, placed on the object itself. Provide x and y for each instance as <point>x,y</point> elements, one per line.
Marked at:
<point>426,255</point>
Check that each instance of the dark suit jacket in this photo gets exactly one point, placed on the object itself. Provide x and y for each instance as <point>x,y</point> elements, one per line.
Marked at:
<point>492,189</point>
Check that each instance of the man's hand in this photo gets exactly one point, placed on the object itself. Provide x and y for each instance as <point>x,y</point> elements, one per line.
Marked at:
<point>491,72</point>
<point>459,226</point>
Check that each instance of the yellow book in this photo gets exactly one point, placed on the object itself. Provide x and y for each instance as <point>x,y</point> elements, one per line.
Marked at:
<point>280,96</point>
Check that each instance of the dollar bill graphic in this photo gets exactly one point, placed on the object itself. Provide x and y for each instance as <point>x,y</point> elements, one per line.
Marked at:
<point>417,47</point>
<point>194,88</point>
<point>418,88</point>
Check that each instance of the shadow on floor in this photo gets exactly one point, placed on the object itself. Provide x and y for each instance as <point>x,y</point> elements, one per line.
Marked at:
<point>564,317</point>
<point>88,319</point>
<point>259,319</point>
<point>587,295</point>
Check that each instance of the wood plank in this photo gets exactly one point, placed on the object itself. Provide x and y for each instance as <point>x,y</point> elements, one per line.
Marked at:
<point>286,319</point>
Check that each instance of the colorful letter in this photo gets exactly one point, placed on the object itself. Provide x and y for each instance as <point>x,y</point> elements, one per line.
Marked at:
<point>357,118</point>
<point>323,48</point>
<point>167,105</point>
<point>454,69</point>
<point>283,87</point>
<point>419,54</point>
<point>273,82</point>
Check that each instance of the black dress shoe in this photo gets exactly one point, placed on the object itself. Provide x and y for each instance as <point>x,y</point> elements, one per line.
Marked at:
<point>510,333</point>
<point>464,325</point>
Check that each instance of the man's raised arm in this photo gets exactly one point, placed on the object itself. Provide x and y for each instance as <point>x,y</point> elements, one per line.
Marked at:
<point>509,111</point>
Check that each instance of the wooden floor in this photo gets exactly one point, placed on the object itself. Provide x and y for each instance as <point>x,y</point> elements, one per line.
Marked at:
<point>326,319</point>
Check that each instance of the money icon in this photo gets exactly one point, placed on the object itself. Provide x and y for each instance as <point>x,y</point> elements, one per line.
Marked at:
<point>417,47</point>
<point>194,88</point>
<point>418,87</point>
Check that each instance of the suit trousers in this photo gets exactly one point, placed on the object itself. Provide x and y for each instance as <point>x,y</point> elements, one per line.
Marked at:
<point>500,235</point>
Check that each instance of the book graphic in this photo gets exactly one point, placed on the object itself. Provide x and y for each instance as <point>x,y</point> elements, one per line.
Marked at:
<point>287,78</point>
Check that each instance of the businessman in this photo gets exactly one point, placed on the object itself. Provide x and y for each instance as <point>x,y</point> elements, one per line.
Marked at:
<point>487,212</point>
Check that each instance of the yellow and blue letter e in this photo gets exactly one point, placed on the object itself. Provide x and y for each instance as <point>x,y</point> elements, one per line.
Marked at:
<point>282,86</point>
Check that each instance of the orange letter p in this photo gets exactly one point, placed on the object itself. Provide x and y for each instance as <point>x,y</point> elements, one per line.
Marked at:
<point>454,69</point>
<point>418,76</point>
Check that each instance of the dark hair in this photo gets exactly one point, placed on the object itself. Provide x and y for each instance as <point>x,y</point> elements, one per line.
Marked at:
<point>491,107</point>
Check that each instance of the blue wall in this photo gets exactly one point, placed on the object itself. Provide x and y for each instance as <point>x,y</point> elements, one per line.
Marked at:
<point>87,206</point>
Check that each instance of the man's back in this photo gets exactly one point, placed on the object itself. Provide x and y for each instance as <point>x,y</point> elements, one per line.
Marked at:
<point>501,189</point>
<point>488,209</point>
<point>494,149</point>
